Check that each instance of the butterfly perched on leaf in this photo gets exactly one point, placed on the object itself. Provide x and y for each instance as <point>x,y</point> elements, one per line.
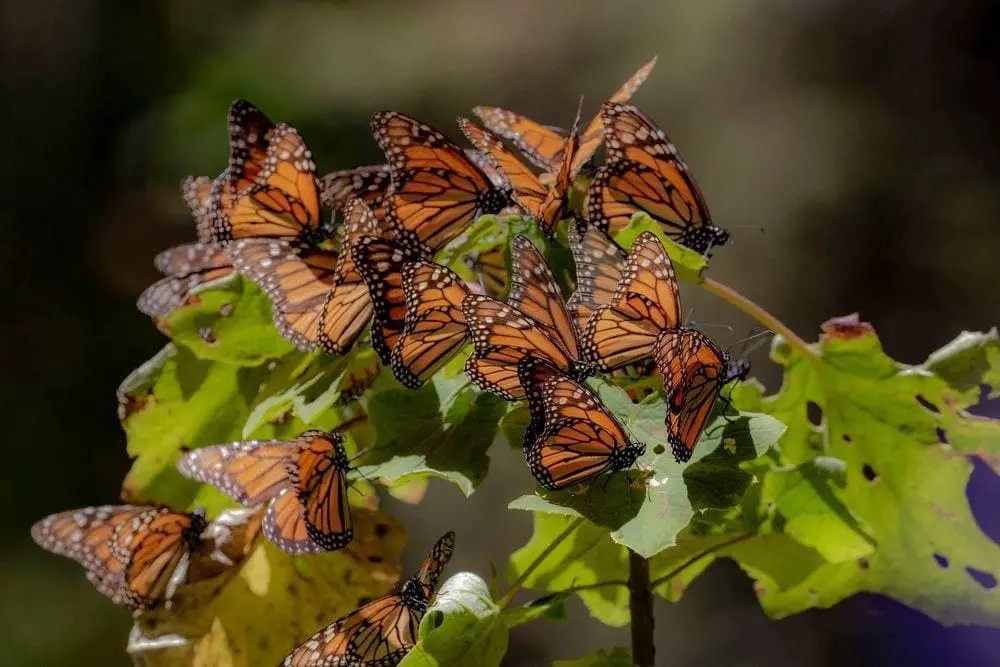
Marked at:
<point>434,328</point>
<point>135,555</point>
<point>437,190</point>
<point>545,146</point>
<point>641,322</point>
<point>186,266</point>
<point>572,437</point>
<point>534,322</point>
<point>547,205</point>
<point>380,264</point>
<point>303,481</point>
<point>694,371</point>
<point>600,263</point>
<point>382,632</point>
<point>248,128</point>
<point>644,172</point>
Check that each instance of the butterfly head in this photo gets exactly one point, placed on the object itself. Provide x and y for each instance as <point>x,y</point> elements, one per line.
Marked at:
<point>414,594</point>
<point>495,200</point>
<point>735,370</point>
<point>199,522</point>
<point>703,238</point>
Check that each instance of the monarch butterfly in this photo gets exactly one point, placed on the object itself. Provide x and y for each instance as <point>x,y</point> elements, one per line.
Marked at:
<point>571,437</point>
<point>382,632</point>
<point>437,190</point>
<point>303,481</point>
<point>645,303</point>
<point>489,266</point>
<point>694,371</point>
<point>380,263</point>
<point>135,555</point>
<point>283,201</point>
<point>600,264</point>
<point>435,328</point>
<point>546,147</point>
<point>357,381</point>
<point>644,172</point>
<point>545,205</point>
<point>533,322</point>
<point>196,192</point>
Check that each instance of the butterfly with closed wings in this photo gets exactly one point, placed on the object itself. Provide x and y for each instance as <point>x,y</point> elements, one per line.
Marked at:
<point>303,481</point>
<point>382,632</point>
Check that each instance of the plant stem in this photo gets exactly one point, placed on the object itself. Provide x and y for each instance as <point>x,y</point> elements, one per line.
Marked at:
<point>641,609</point>
<point>538,561</point>
<point>755,311</point>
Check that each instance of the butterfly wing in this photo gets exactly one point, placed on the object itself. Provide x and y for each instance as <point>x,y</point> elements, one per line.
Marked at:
<point>645,303</point>
<point>285,525</point>
<point>84,535</point>
<point>645,172</point>
<point>594,132</point>
<point>435,562</point>
<point>250,472</point>
<point>437,190</point>
<point>186,267</point>
<point>571,437</point>
<point>196,192</point>
<point>321,486</point>
<point>153,545</point>
<point>296,281</point>
<point>554,205</point>
<point>491,269</point>
<point>435,328</point>
<point>694,370</point>
<point>600,264</point>
<point>529,193</point>
<point>380,633</point>
<point>348,308</point>
<point>368,183</point>
<point>542,145</point>
<point>380,263</point>
<point>497,378</point>
<point>284,200</point>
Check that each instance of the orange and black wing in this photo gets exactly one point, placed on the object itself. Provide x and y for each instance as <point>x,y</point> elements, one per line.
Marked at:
<point>436,190</point>
<point>644,172</point>
<point>572,437</point>
<point>600,264</point>
<point>541,144</point>
<point>185,267</point>
<point>498,378</point>
<point>249,128</point>
<point>250,472</point>
<point>529,193</point>
<point>368,183</point>
<point>492,271</point>
<point>283,202</point>
<point>380,263</point>
<point>435,328</point>
<point>197,194</point>
<point>645,303</point>
<point>348,308</point>
<point>436,560</point>
<point>592,136</point>
<point>297,282</point>
<point>694,370</point>
<point>320,476</point>
<point>152,546</point>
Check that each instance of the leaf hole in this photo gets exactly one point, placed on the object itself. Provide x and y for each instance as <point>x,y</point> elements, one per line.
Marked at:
<point>847,438</point>
<point>207,335</point>
<point>381,529</point>
<point>869,473</point>
<point>226,309</point>
<point>942,436</point>
<point>941,560</point>
<point>863,563</point>
<point>984,579</point>
<point>983,494</point>
<point>437,618</point>
<point>659,449</point>
<point>927,404</point>
<point>375,559</point>
<point>814,413</point>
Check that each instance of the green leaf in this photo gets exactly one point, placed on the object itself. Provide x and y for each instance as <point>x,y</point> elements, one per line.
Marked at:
<point>462,627</point>
<point>257,612</point>
<point>180,402</point>
<point>616,657</point>
<point>904,438</point>
<point>514,424</point>
<point>647,518</point>
<point>443,429</point>
<point>230,321</point>
<point>688,264</point>
<point>968,362</point>
<point>551,607</point>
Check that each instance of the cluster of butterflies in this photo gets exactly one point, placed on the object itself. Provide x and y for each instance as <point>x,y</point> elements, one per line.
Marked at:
<point>263,217</point>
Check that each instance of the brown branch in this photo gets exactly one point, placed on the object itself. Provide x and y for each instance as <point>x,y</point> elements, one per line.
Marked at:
<point>641,610</point>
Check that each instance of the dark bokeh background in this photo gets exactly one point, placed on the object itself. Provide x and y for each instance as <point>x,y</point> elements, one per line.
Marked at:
<point>850,146</point>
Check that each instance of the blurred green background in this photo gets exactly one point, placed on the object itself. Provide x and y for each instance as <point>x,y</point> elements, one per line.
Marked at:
<point>851,148</point>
